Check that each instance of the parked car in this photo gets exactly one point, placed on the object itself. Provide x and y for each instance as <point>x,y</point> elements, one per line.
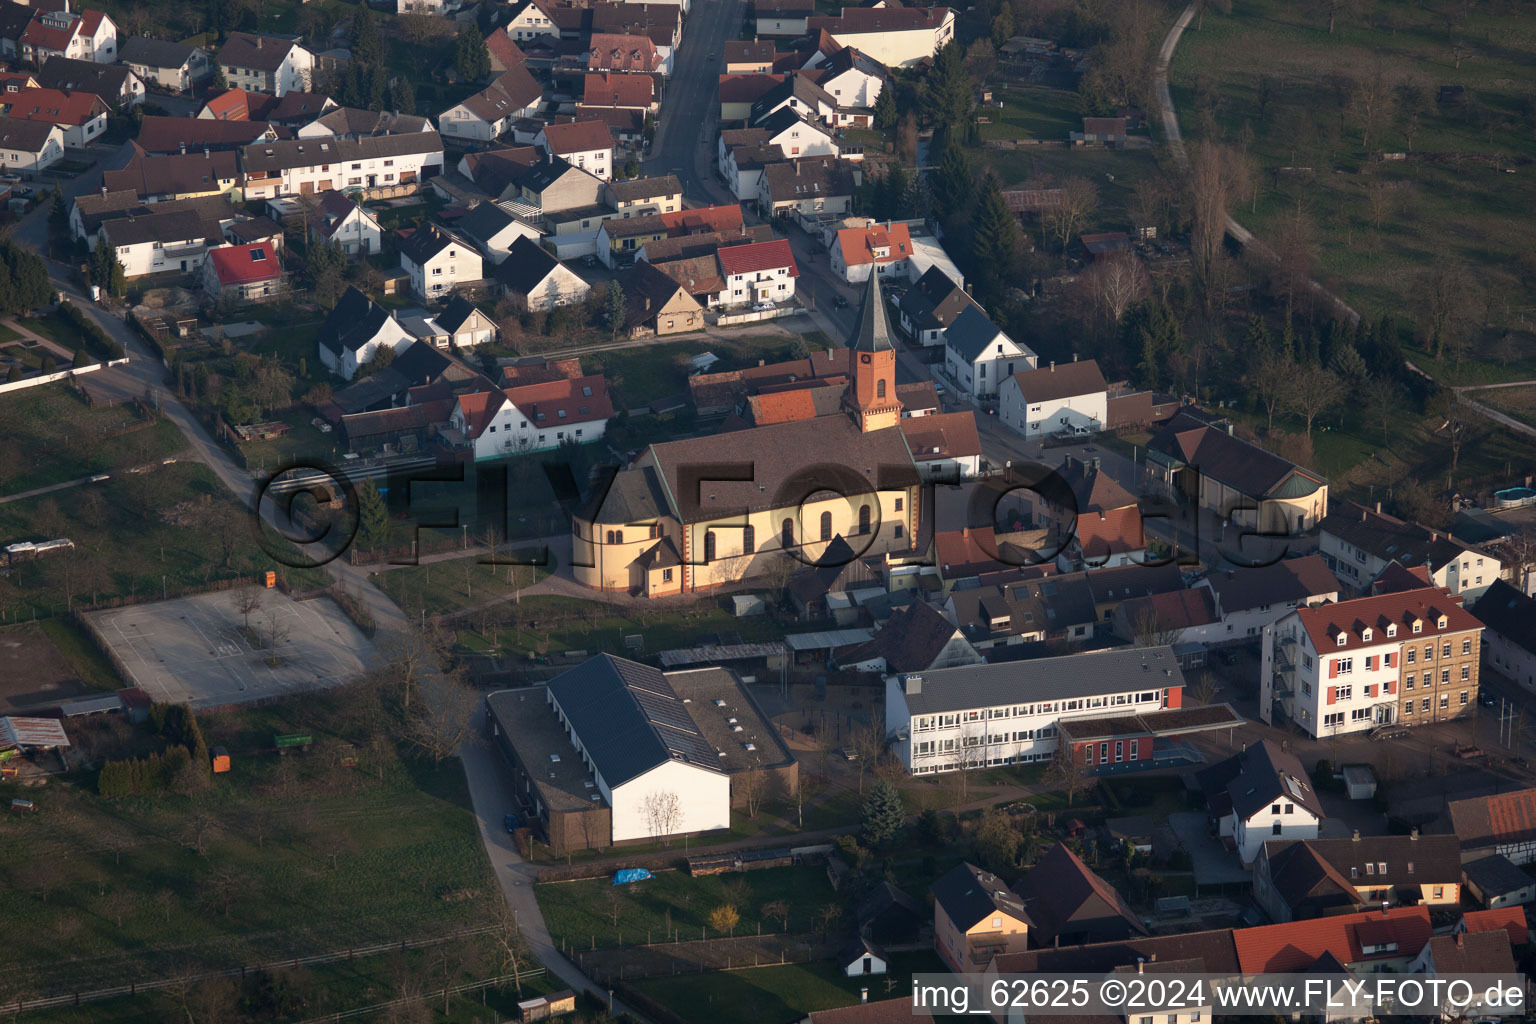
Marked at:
<point>512,822</point>
<point>1487,700</point>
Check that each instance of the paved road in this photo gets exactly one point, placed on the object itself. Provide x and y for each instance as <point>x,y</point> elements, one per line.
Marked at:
<point>685,136</point>
<point>37,491</point>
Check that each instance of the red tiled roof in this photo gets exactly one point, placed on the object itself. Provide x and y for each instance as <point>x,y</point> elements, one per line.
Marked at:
<point>1325,623</point>
<point>503,49</point>
<point>1178,609</point>
<point>1511,919</point>
<point>479,408</point>
<point>859,244</point>
<point>1110,532</point>
<point>57,105</point>
<point>783,406</point>
<point>577,137</point>
<point>954,434</point>
<point>613,90</point>
<point>90,22</point>
<point>747,88</point>
<point>245,264</point>
<point>879,19</point>
<point>748,259</point>
<point>551,398</point>
<point>705,218</point>
<point>622,53</point>
<point>959,550</point>
<point>1294,947</point>
<point>229,106</point>
<point>43,36</point>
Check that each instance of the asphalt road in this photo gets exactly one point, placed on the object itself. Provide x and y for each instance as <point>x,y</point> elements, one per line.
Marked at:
<point>686,132</point>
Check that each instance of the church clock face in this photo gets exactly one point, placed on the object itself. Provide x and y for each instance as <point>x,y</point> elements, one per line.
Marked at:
<point>864,358</point>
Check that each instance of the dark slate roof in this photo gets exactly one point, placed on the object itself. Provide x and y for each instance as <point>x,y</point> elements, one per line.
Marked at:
<point>1290,579</point>
<point>1072,675</point>
<point>291,153</point>
<point>1298,874</point>
<point>783,119</point>
<point>355,319</point>
<point>155,53</point>
<point>14,19</point>
<point>458,310</point>
<point>1214,947</point>
<point>632,496</point>
<point>1060,380</point>
<point>1508,613</point>
<point>794,86</point>
<point>420,363</point>
<point>1434,859</point>
<point>1260,775</point>
<point>635,189</point>
<point>970,894</point>
<point>934,301</point>
<point>165,227</point>
<point>1064,897</point>
<point>105,80</point>
<point>526,266</point>
<point>874,331</point>
<point>1230,460</point>
<point>1495,875</point>
<point>24,135</point>
<point>424,244</point>
<point>628,718</point>
<point>971,333</point>
<point>483,222</point>
<point>881,898</point>
<point>1387,537</point>
<point>249,50</point>
<point>910,642</point>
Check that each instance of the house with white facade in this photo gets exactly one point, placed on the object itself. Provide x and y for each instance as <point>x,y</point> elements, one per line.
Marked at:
<point>1359,542</point>
<point>87,35</point>
<point>493,230</point>
<point>897,37</point>
<point>489,113</point>
<point>928,308</point>
<point>1405,657</point>
<point>807,187</point>
<point>974,716</point>
<point>533,417</point>
<point>243,273</point>
<point>1260,794</point>
<point>851,77</point>
<point>159,243</point>
<point>464,324</point>
<point>533,276</point>
<point>264,63</point>
<point>798,94</point>
<point>355,330</point>
<point>437,262</point>
<point>885,249</point>
<point>118,86</point>
<point>29,146</point>
<point>349,224</point>
<point>978,356</point>
<point>1251,598</point>
<point>782,17</point>
<point>757,273</point>
<point>1509,634</point>
<point>294,167</point>
<point>795,136</point>
<point>1070,398</point>
<point>529,20</point>
<point>584,144</point>
<point>81,116</point>
<point>176,67</point>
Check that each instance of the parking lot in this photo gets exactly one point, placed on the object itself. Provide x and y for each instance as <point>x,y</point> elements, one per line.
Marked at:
<point>200,650</point>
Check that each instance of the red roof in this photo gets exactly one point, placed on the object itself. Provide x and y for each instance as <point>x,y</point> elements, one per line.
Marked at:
<point>552,398</point>
<point>622,53</point>
<point>965,550</point>
<point>706,218</point>
<point>1296,946</point>
<point>859,245</point>
<point>783,407</point>
<point>577,137</point>
<point>747,88</point>
<point>479,407</point>
<point>57,105</point>
<point>612,90</point>
<point>503,49</point>
<point>44,36</point>
<point>755,256</point>
<point>245,264</point>
<point>229,106</point>
<point>953,434</point>
<point>1325,623</point>
<point>1511,919</point>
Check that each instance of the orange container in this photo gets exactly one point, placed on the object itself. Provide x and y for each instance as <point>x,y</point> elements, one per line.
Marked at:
<point>220,760</point>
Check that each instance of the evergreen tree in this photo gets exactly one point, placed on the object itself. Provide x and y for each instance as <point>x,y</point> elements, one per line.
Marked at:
<point>1003,25</point>
<point>614,312</point>
<point>882,815</point>
<point>997,243</point>
<point>366,47</point>
<point>58,213</point>
<point>101,262</point>
<point>218,83</point>
<point>947,92</point>
<point>952,183</point>
<point>893,193</point>
<point>117,278</point>
<point>1152,336</point>
<point>886,113</point>
<point>471,58</point>
<point>372,517</point>
<point>378,87</point>
<point>402,96</point>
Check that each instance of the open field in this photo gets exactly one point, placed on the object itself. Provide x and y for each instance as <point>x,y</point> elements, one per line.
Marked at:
<point>1032,112</point>
<point>1517,402</point>
<point>299,855</point>
<point>771,994</point>
<point>454,584</point>
<point>1459,197</point>
<point>33,670</point>
<point>202,651</point>
<point>52,435</point>
<point>545,623</point>
<point>653,371</point>
<point>582,913</point>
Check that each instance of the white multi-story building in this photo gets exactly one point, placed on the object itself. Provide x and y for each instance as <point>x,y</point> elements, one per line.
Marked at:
<point>1358,543</point>
<point>529,20</point>
<point>1409,656</point>
<point>533,417</point>
<point>262,63</point>
<point>307,166</point>
<point>438,263</point>
<point>30,145</point>
<point>354,332</point>
<point>1510,637</point>
<point>159,243</point>
<point>350,225</point>
<point>88,35</point>
<point>1066,399</point>
<point>757,272</point>
<point>895,36</point>
<point>978,356</point>
<point>1260,794</point>
<point>1008,713</point>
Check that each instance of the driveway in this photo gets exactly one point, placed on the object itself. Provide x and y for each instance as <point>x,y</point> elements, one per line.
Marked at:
<point>1213,865</point>
<point>684,144</point>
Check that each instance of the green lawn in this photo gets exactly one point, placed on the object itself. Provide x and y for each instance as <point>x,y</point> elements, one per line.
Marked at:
<point>299,855</point>
<point>82,654</point>
<point>52,435</point>
<point>1113,173</point>
<point>1033,113</point>
<point>303,441</point>
<point>1273,67</point>
<point>54,327</point>
<point>581,913</point>
<point>8,334</point>
<point>654,371</point>
<point>546,624</point>
<point>459,583</point>
<point>774,994</point>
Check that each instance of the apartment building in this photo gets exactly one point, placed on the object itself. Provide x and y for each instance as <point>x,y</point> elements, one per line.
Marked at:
<point>1358,543</point>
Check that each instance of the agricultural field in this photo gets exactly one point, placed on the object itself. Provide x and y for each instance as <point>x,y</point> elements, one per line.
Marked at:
<point>53,435</point>
<point>1315,111</point>
<point>278,857</point>
<point>1517,402</point>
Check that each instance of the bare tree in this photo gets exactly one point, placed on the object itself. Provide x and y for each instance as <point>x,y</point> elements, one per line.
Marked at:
<point>778,909</point>
<point>868,742</point>
<point>201,826</point>
<point>663,814</point>
<point>753,783</point>
<point>1117,284</point>
<point>970,754</point>
<point>1313,392</point>
<point>1463,425</point>
<point>1379,197</point>
<point>1068,770</point>
<point>1268,380</point>
<point>1381,400</point>
<point>512,951</point>
<point>1448,305</point>
<point>1148,630</point>
<point>1211,181</point>
<point>1205,687</point>
<point>1079,198</point>
<point>246,602</point>
<point>1334,8</point>
<point>444,719</point>
<point>1374,96</point>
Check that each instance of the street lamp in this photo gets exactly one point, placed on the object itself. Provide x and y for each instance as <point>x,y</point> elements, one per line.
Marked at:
<point>163,592</point>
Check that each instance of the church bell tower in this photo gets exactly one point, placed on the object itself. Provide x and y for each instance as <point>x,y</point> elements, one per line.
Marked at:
<point>871,395</point>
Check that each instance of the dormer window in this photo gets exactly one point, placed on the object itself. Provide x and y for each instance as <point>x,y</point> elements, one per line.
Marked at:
<point>1440,622</point>
<point>1341,639</point>
<point>1391,629</point>
<point>1418,625</point>
<point>1365,634</point>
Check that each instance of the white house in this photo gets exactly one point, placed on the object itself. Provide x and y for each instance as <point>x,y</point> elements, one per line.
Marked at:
<point>1408,657</point>
<point>795,136</point>
<point>1359,542</point>
<point>264,63</point>
<point>928,308</point>
<point>437,262</point>
<point>493,230</point>
<point>897,37</point>
<point>81,116</point>
<point>1069,398</point>
<point>1260,794</point>
<point>885,249</point>
<point>354,332</point>
<point>489,113</point>
<point>758,272</point>
<point>174,242</point>
<point>783,17</point>
<point>533,417</point>
<point>529,20</point>
<point>88,35</point>
<point>350,225</point>
<point>974,716</point>
<point>29,146</point>
<point>294,167</point>
<point>585,144</point>
<point>464,324</point>
<point>168,65</point>
<point>978,356</point>
<point>1249,599</point>
<point>251,272</point>
<point>530,273</point>
<point>118,86</point>
<point>852,78</point>
<point>1509,634</point>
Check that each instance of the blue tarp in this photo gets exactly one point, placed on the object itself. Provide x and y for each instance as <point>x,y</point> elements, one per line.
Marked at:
<point>630,875</point>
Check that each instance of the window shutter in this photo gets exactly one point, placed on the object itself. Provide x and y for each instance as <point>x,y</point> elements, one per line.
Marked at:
<point>1391,659</point>
<point>1333,669</point>
<point>1389,687</point>
<point>1333,694</point>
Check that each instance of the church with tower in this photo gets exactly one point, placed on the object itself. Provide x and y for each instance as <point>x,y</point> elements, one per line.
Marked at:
<point>828,463</point>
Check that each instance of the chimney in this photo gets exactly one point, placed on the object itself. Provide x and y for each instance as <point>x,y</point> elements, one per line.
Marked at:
<point>913,683</point>
<point>1074,357</point>
<point>1357,835</point>
<point>1229,429</point>
<point>1378,509</point>
<point>1141,965</point>
<point>183,149</point>
<point>1053,366</point>
<point>965,531</point>
<point>1414,835</point>
<point>1152,959</point>
<point>1461,939</point>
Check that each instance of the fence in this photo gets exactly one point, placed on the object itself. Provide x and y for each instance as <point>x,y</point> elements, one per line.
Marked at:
<point>336,956</point>
<point>663,959</point>
<point>457,990</point>
<point>52,378</point>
